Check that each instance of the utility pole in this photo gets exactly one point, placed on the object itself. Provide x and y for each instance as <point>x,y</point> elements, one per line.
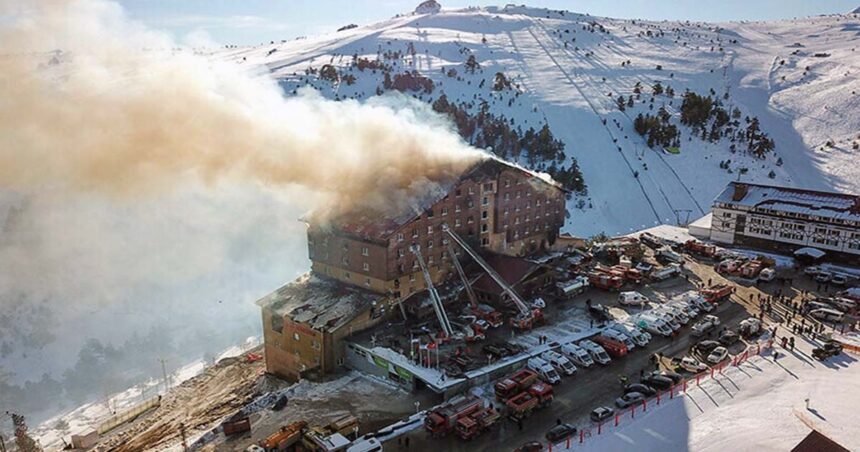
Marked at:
<point>182,434</point>
<point>164,373</point>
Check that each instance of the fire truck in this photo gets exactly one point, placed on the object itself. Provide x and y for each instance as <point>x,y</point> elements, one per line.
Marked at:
<point>521,405</point>
<point>479,422</point>
<point>604,281</point>
<point>615,348</point>
<point>443,419</point>
<point>717,292</point>
<point>700,248</point>
<point>514,384</point>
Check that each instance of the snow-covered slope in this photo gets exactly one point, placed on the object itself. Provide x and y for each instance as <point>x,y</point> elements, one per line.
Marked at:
<point>798,77</point>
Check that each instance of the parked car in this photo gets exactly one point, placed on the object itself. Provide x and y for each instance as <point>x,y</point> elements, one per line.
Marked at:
<point>648,391</point>
<point>706,347</point>
<point>839,279</point>
<point>631,398</point>
<point>718,355</point>
<point>729,337</point>
<point>823,277</point>
<point>767,274</point>
<point>812,270</point>
<point>632,298</point>
<point>658,381</point>
<point>701,327</point>
<point>560,432</point>
<point>601,413</point>
<point>693,365</point>
<point>531,446</point>
<point>280,403</point>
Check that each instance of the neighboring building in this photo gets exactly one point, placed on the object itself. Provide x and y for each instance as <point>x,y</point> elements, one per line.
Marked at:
<point>305,321</point>
<point>493,205</point>
<point>785,219</point>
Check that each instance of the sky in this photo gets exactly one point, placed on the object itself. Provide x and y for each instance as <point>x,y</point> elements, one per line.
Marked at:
<point>257,21</point>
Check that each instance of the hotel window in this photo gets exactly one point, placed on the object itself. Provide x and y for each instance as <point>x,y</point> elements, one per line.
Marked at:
<point>457,208</point>
<point>484,215</point>
<point>430,213</point>
<point>507,196</point>
<point>507,182</point>
<point>296,337</point>
<point>365,266</point>
<point>485,200</point>
<point>458,192</point>
<point>457,222</point>
<point>364,251</point>
<point>519,193</point>
<point>485,241</point>
<point>471,190</point>
<point>507,211</point>
<point>444,211</point>
<point>470,220</point>
<point>430,229</point>
<point>485,227</point>
<point>429,244</point>
<point>399,236</point>
<point>400,252</point>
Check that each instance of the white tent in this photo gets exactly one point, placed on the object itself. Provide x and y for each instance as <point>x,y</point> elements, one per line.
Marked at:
<point>814,253</point>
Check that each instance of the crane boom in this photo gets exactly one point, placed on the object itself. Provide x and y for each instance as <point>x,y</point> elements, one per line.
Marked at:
<point>520,304</point>
<point>473,300</point>
<point>435,300</point>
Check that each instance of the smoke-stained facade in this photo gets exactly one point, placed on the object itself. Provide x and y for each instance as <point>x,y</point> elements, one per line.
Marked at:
<point>493,205</point>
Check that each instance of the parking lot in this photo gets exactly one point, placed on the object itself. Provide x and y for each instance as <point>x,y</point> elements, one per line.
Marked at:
<point>599,385</point>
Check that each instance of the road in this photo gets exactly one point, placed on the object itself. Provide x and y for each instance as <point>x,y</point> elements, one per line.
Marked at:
<point>576,396</point>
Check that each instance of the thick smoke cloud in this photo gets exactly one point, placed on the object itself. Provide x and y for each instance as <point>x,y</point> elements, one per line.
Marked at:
<point>143,185</point>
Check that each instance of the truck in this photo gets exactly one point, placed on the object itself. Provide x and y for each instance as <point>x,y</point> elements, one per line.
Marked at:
<point>443,419</point>
<point>717,292</point>
<point>476,423</point>
<point>604,281</point>
<point>573,287</point>
<point>620,337</point>
<point>236,425</point>
<point>577,354</point>
<point>544,369</point>
<point>514,384</point>
<point>613,347</point>
<point>666,254</point>
<point>285,437</point>
<point>521,406</point>
<point>669,271</point>
<point>489,314</point>
<point>700,248</point>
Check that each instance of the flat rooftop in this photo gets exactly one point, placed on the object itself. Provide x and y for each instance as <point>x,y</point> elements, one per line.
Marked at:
<point>322,304</point>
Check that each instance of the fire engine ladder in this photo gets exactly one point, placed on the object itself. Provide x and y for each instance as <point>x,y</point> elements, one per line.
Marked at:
<point>520,304</point>
<point>471,293</point>
<point>434,295</point>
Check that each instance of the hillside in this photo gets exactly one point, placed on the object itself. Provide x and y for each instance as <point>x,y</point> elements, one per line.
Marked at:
<point>796,80</point>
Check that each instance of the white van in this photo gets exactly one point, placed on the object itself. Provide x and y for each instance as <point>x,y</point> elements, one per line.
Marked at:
<point>559,362</point>
<point>653,324</point>
<point>596,351</point>
<point>620,337</point>
<point>544,370</point>
<point>632,298</point>
<point>679,313</point>
<point>689,308</point>
<point>669,317</point>
<point>639,337</point>
<point>842,304</point>
<point>829,315</point>
<point>767,274</point>
<point>577,354</point>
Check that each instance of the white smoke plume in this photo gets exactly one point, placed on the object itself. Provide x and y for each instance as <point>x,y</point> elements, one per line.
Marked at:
<point>140,182</point>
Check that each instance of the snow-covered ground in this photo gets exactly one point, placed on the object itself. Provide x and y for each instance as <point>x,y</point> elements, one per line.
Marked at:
<point>760,405</point>
<point>799,77</point>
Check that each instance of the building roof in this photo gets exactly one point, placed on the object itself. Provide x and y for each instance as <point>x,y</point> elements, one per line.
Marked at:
<point>835,206</point>
<point>511,269</point>
<point>322,304</point>
<point>816,442</point>
<point>371,225</point>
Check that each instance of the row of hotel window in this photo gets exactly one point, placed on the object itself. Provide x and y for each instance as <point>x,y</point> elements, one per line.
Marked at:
<point>486,201</point>
<point>798,232</point>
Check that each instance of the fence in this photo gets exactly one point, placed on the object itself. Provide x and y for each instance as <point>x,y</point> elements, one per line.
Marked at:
<point>677,390</point>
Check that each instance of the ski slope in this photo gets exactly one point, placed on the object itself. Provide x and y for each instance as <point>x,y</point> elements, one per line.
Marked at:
<point>567,69</point>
